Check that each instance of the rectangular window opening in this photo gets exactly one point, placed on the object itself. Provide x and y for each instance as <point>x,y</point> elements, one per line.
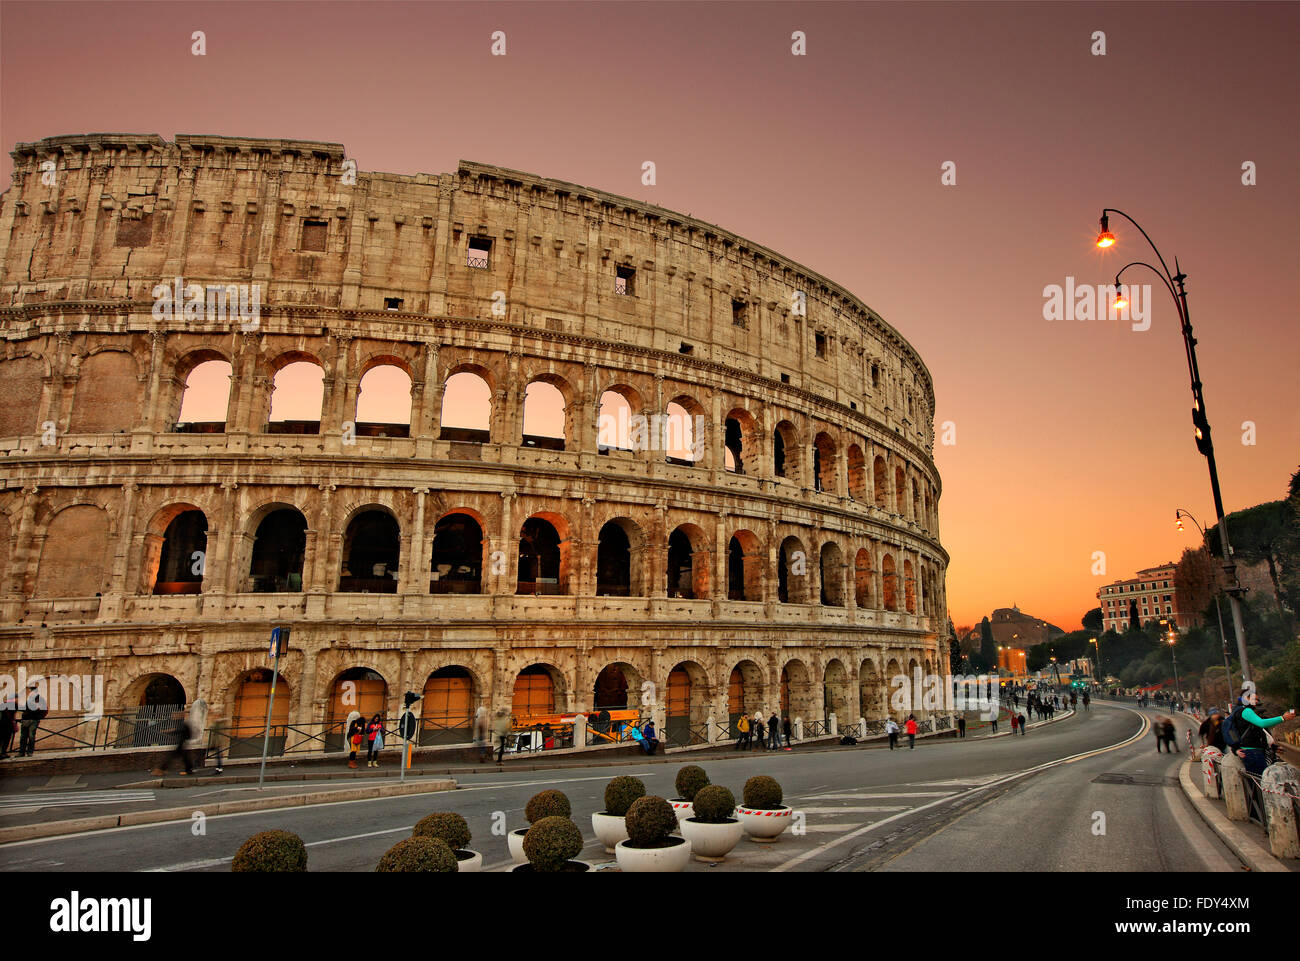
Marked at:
<point>625,281</point>
<point>740,314</point>
<point>820,344</point>
<point>392,303</point>
<point>479,254</point>
<point>314,233</point>
<point>686,348</point>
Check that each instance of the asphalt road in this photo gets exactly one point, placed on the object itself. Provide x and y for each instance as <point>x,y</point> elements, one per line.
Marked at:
<point>947,805</point>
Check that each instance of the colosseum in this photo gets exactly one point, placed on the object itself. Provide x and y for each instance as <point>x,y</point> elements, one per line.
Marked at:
<point>697,478</point>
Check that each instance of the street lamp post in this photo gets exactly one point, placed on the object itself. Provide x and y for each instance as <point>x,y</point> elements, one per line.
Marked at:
<point>1178,687</point>
<point>1097,679</point>
<point>1174,284</point>
<point>1179,513</point>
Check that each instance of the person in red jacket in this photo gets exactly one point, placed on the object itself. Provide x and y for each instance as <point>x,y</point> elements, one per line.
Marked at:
<point>910,728</point>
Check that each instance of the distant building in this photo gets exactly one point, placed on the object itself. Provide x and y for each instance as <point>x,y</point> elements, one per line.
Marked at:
<point>1013,628</point>
<point>1154,595</point>
<point>1013,659</point>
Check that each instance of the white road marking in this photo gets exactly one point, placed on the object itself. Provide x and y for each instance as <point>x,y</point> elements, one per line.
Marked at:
<point>863,795</point>
<point>853,810</point>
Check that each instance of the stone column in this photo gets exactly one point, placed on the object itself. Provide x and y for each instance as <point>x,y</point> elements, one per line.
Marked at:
<point>507,541</point>
<point>315,566</point>
<point>415,581</point>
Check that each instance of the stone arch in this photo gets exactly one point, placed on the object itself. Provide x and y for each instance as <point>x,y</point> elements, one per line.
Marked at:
<point>745,563</point>
<point>785,452</point>
<point>835,690</point>
<point>683,435</point>
<point>467,405</point>
<point>792,572</point>
<point>75,554</point>
<point>900,491</point>
<point>539,691</point>
<point>545,555</point>
<point>278,548</point>
<point>686,706</point>
<point>740,440</point>
<point>200,391</point>
<point>889,582</point>
<point>798,698</point>
<point>107,398</point>
<point>548,398</point>
<point>297,394</point>
<point>175,551</point>
<point>371,555</point>
<point>862,579</point>
<point>832,574</point>
<point>620,419</point>
<point>449,705</point>
<point>909,586</point>
<point>880,480</point>
<point>746,693</point>
<point>688,562</point>
<point>384,398</point>
<point>825,463</point>
<point>619,553</point>
<point>24,380</point>
<point>857,474</point>
<point>249,696</point>
<point>870,690</point>
<point>456,562</point>
<point>360,689</point>
<point>617,688</point>
<point>153,689</point>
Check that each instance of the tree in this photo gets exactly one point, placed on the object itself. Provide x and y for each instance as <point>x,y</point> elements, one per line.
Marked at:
<point>1195,582</point>
<point>1092,621</point>
<point>988,647</point>
<point>1289,545</point>
<point>1134,622</point>
<point>1257,534</point>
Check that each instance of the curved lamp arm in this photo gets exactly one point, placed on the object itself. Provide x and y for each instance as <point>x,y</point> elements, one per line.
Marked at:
<point>1113,210</point>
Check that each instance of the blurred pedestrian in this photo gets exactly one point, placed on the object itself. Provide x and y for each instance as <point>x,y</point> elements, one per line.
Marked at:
<point>374,741</point>
<point>891,728</point>
<point>482,734</point>
<point>501,732</point>
<point>961,725</point>
<point>789,737</point>
<point>356,734</point>
<point>742,733</point>
<point>182,734</point>
<point>34,710</point>
<point>1024,723</point>
<point>774,732</point>
<point>910,727</point>
<point>758,730</point>
<point>8,723</point>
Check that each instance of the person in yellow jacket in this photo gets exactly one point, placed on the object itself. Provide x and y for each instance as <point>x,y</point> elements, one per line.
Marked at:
<point>742,736</point>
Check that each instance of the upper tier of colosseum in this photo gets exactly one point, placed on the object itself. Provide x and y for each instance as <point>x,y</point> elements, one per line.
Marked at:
<point>93,222</point>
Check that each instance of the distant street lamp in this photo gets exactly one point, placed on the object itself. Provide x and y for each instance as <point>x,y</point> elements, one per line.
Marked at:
<point>1179,514</point>
<point>1097,672</point>
<point>1174,284</point>
<point>1172,636</point>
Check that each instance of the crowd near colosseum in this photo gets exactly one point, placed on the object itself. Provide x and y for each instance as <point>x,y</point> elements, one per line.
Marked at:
<point>780,550</point>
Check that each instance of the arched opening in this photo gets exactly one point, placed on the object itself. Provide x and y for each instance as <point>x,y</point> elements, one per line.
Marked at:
<point>297,398</point>
<point>832,571</point>
<point>688,563</point>
<point>545,422</point>
<point>909,586</point>
<point>448,707</point>
<point>205,399</point>
<point>151,704</point>
<point>835,691</point>
<point>917,515</point>
<point>792,572</point>
<point>929,517</point>
<point>466,409</point>
<point>248,715</point>
<point>869,690</point>
<point>824,464</point>
<point>785,452</point>
<point>616,573</point>
<point>163,690</point>
<point>889,582</point>
<point>881,480</point>
<point>543,559</point>
<point>744,693</point>
<point>356,689</point>
<point>457,563</point>
<point>182,554</point>
<point>536,695</point>
<point>371,547</point>
<point>384,402</point>
<point>900,490</point>
<point>737,440</point>
<point>681,437</point>
<point>620,424</point>
<point>797,691</point>
<point>744,568</point>
<point>687,706</point>
<point>862,578</point>
<point>278,548</point>
<point>617,688</point>
<point>857,474</point>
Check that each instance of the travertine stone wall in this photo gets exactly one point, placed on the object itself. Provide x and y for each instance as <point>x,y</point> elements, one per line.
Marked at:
<point>356,270</point>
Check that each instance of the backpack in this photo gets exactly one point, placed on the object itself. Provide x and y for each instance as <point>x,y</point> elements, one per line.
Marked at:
<point>848,740</point>
<point>1231,733</point>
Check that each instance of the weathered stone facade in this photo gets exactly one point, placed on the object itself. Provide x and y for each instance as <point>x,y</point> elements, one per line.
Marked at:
<point>577,288</point>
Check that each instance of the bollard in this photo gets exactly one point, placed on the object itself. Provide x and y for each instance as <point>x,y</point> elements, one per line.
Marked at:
<point>1281,782</point>
<point>711,729</point>
<point>797,729</point>
<point>1210,758</point>
<point>1234,792</point>
<point>832,724</point>
<point>580,730</point>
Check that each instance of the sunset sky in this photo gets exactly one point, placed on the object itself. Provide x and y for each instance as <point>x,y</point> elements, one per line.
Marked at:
<point>1072,436</point>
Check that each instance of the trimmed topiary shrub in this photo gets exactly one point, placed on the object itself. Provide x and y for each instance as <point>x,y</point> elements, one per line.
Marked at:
<point>763,793</point>
<point>689,781</point>
<point>271,851</point>
<point>418,853</point>
<point>714,804</point>
<point>445,826</point>
<point>547,804</point>
<point>621,792</point>
<point>650,820</point>
<point>551,842</point>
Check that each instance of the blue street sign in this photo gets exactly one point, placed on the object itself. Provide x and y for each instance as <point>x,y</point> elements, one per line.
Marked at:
<point>275,642</point>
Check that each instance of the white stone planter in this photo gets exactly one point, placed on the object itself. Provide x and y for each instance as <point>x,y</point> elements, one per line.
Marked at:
<point>712,842</point>
<point>667,860</point>
<point>515,839</point>
<point>572,866</point>
<point>473,863</point>
<point>609,829</point>
<point>682,808</point>
<point>764,826</point>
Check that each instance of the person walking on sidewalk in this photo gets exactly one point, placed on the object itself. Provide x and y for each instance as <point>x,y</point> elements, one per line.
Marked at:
<point>374,741</point>
<point>758,730</point>
<point>1158,728</point>
<point>789,734</point>
<point>1171,737</point>
<point>961,725</point>
<point>8,723</point>
<point>891,728</point>
<point>216,731</point>
<point>742,732</point>
<point>1024,723</point>
<point>356,734</point>
<point>774,733</point>
<point>995,720</point>
<point>1014,725</point>
<point>501,732</point>
<point>911,732</point>
<point>182,735</point>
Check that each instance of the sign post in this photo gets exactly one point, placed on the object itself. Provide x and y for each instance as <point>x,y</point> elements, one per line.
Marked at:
<point>279,641</point>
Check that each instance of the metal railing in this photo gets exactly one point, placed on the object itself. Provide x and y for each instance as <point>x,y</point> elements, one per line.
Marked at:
<point>816,728</point>
<point>677,734</point>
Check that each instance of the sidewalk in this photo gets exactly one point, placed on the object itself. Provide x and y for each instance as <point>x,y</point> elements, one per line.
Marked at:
<point>1245,839</point>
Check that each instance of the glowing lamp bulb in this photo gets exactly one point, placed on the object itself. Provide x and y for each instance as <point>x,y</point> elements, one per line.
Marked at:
<point>1105,239</point>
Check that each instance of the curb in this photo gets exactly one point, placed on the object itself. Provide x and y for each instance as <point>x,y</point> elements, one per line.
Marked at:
<point>47,829</point>
<point>1254,855</point>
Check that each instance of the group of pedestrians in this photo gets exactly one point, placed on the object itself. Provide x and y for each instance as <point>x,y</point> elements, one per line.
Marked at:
<point>775,735</point>
<point>33,710</point>
<point>367,734</point>
<point>1244,731</point>
<point>909,728</point>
